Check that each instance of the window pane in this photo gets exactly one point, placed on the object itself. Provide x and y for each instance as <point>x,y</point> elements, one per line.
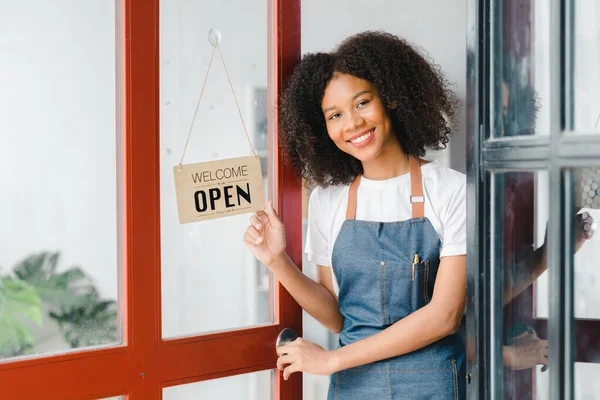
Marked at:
<point>255,386</point>
<point>586,194</point>
<point>520,204</point>
<point>587,386</point>
<point>521,60</point>
<point>59,177</point>
<point>210,280</point>
<point>587,274</point>
<point>585,67</point>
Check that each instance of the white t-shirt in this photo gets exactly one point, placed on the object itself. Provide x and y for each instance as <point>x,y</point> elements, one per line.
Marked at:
<point>387,201</point>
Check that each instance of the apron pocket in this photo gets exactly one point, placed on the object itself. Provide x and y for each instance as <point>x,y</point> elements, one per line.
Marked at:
<point>396,289</point>
<point>404,289</point>
<point>419,288</point>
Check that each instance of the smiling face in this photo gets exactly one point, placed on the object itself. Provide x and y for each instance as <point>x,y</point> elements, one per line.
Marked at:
<point>356,119</point>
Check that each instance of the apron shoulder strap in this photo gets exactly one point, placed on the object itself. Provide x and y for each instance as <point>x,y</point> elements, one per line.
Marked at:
<point>417,199</point>
<point>352,194</point>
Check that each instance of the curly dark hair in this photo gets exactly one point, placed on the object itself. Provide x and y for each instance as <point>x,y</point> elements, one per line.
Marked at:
<point>420,105</point>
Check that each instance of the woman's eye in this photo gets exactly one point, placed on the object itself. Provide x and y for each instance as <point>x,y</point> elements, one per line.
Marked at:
<point>334,116</point>
<point>362,103</point>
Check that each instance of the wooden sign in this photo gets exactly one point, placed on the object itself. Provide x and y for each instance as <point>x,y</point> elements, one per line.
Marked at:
<point>218,189</point>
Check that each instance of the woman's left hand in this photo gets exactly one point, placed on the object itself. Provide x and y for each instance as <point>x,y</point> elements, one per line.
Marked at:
<point>305,356</point>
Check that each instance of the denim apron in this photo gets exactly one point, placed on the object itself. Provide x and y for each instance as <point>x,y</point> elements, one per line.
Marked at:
<point>385,271</point>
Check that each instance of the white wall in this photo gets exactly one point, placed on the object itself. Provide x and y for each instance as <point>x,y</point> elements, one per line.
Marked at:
<point>439,28</point>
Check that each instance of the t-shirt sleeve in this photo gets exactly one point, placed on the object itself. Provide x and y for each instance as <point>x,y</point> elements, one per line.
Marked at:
<point>317,241</point>
<point>455,224</point>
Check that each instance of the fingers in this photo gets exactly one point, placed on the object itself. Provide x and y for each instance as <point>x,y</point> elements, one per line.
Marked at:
<point>253,232</point>
<point>543,354</point>
<point>290,370</point>
<point>585,225</point>
<point>290,348</point>
<point>271,213</point>
<point>252,240</point>
<point>283,350</point>
<point>262,217</point>
<point>526,337</point>
<point>270,210</point>
<point>256,235</point>
<point>284,360</point>
<point>588,225</point>
<point>255,222</point>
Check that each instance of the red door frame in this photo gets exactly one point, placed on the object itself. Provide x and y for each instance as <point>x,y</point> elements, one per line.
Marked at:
<point>146,364</point>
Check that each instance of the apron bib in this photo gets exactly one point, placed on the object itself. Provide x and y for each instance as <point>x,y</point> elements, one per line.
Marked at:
<point>386,271</point>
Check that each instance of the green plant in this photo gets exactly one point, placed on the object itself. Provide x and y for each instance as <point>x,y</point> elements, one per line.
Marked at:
<point>19,303</point>
<point>68,288</point>
<point>69,297</point>
<point>89,324</point>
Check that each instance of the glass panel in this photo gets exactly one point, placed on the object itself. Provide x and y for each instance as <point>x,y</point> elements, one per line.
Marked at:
<point>587,274</point>
<point>586,188</point>
<point>521,59</point>
<point>520,204</point>
<point>59,149</point>
<point>210,281</point>
<point>587,385</point>
<point>254,386</point>
<point>586,64</point>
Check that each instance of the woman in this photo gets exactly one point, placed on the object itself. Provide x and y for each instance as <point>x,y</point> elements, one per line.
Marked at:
<point>386,228</point>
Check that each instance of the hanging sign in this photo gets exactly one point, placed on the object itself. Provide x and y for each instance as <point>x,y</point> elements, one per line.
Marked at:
<point>219,188</point>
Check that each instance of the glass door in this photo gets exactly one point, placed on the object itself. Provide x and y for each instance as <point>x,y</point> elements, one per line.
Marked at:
<point>534,162</point>
<point>103,294</point>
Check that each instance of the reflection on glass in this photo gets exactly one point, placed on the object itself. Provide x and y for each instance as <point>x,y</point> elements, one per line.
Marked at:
<point>254,386</point>
<point>210,281</point>
<point>59,263</point>
<point>586,215</point>
<point>587,274</point>
<point>521,215</point>
<point>586,190</point>
<point>586,64</point>
<point>521,68</point>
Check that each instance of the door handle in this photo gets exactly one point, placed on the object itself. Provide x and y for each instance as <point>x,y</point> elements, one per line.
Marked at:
<point>286,336</point>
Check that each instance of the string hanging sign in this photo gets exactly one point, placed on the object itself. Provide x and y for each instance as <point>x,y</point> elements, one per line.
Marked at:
<point>221,188</point>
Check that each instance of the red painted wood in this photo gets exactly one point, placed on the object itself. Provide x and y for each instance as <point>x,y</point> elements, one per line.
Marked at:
<point>288,192</point>
<point>92,375</point>
<point>143,197</point>
<point>209,356</point>
<point>145,363</point>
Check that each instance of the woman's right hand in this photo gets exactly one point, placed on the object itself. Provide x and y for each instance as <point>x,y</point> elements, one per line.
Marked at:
<point>265,236</point>
<point>527,351</point>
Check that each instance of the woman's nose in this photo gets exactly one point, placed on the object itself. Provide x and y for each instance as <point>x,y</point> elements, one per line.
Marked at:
<point>354,121</point>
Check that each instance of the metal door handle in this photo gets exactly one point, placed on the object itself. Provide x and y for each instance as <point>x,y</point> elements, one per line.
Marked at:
<point>286,336</point>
